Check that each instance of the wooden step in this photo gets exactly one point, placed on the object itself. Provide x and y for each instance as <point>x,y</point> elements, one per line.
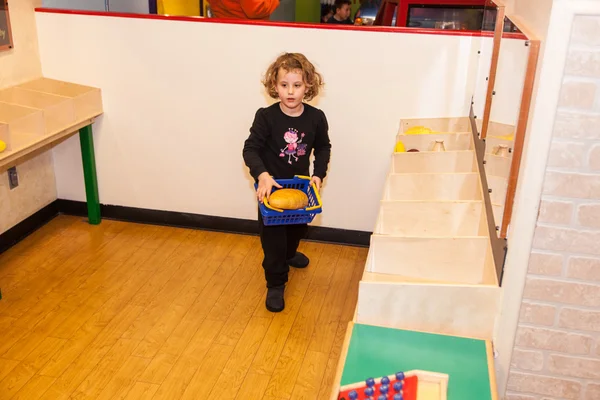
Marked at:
<point>436,307</point>
<point>435,162</point>
<point>431,218</point>
<point>432,186</point>
<point>464,259</point>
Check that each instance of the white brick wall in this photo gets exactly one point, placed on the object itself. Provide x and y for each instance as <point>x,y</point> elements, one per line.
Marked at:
<point>557,347</point>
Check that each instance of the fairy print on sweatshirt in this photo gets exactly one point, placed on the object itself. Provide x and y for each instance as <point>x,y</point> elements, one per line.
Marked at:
<point>294,148</point>
<point>282,145</point>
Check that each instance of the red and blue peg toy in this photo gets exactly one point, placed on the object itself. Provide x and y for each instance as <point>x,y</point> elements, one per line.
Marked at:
<point>400,386</point>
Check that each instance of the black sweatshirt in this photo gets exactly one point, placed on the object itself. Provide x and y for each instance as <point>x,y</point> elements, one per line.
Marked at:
<point>281,145</point>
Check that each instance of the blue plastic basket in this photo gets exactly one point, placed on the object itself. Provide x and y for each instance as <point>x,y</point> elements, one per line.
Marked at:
<point>273,216</point>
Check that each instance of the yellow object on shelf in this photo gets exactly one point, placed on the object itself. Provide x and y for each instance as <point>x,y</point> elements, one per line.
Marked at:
<point>510,137</point>
<point>2,146</point>
<point>399,147</point>
<point>418,130</point>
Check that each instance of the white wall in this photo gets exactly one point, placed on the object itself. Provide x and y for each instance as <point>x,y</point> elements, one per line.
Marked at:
<point>178,109</point>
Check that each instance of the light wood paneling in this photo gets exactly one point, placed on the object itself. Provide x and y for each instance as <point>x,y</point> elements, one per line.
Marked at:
<point>145,312</point>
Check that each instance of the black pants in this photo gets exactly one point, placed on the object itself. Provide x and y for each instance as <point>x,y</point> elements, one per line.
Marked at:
<point>279,243</point>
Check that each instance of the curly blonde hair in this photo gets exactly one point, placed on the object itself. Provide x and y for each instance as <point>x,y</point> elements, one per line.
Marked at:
<point>291,62</point>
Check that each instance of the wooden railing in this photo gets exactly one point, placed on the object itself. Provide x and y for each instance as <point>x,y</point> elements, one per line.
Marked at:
<point>523,115</point>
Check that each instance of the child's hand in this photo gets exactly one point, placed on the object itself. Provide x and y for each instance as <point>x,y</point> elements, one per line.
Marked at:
<point>265,186</point>
<point>317,181</point>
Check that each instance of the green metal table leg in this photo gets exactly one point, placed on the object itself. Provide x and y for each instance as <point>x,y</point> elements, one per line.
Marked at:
<point>89,172</point>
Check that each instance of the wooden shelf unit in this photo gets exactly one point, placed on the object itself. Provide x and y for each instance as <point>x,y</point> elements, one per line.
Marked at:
<point>41,112</point>
<point>430,266</point>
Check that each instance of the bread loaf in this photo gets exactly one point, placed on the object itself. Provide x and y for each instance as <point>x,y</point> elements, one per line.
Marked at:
<point>288,199</point>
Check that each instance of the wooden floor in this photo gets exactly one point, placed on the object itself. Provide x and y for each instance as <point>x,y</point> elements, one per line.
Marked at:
<point>126,311</point>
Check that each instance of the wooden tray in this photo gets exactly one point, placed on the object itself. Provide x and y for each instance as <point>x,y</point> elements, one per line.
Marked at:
<point>87,101</point>
<point>58,111</point>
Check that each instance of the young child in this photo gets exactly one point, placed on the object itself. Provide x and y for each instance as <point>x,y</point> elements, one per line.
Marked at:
<point>282,138</point>
<point>341,14</point>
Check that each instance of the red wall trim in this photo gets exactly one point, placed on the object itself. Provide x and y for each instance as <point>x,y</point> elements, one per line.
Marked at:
<point>388,29</point>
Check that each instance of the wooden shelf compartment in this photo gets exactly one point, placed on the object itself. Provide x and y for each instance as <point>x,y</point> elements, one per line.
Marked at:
<point>23,125</point>
<point>459,259</point>
<point>452,141</point>
<point>432,186</point>
<point>41,112</point>
<point>437,307</point>
<point>497,166</point>
<point>58,111</point>
<point>439,125</point>
<point>431,218</point>
<point>87,101</point>
<point>498,185</point>
<point>492,143</point>
<point>435,162</point>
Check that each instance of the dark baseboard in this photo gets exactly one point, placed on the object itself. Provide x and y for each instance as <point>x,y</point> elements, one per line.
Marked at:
<point>168,218</point>
<point>207,222</point>
<point>26,227</point>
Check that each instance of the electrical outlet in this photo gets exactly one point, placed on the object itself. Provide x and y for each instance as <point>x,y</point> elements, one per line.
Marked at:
<point>13,178</point>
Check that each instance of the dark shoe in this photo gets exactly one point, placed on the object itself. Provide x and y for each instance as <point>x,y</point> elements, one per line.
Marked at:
<point>298,261</point>
<point>275,302</point>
